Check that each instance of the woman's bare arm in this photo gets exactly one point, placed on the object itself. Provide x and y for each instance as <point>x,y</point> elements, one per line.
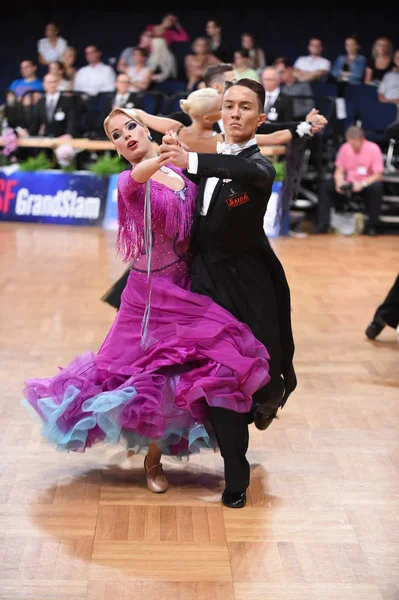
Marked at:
<point>160,124</point>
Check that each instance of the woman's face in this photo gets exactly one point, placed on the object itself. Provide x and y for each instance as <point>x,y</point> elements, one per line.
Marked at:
<point>247,42</point>
<point>201,46</point>
<point>51,30</point>
<point>69,57</point>
<point>130,139</point>
<point>138,58</point>
<point>54,69</point>
<point>351,46</point>
<point>382,46</point>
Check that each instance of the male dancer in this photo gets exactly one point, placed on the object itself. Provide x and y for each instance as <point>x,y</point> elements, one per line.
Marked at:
<point>235,265</point>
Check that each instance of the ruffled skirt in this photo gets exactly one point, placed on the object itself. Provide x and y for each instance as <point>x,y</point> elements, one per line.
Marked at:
<point>196,355</point>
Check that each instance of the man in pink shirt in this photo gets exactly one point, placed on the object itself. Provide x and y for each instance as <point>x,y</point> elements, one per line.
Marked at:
<point>359,167</point>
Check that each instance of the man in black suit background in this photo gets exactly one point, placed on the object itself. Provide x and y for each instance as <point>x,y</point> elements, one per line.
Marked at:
<point>54,115</point>
<point>235,265</point>
<point>121,98</point>
<point>278,106</point>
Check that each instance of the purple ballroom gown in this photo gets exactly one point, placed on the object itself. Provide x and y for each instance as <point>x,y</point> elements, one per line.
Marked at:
<point>169,353</point>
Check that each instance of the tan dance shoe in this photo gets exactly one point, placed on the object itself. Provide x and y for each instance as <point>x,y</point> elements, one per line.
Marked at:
<point>156,478</point>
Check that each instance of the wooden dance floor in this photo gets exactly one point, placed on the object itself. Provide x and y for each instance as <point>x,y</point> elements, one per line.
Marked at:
<point>322,519</point>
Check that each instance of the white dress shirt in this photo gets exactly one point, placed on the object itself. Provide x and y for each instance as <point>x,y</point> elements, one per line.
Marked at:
<point>308,63</point>
<point>232,149</point>
<point>121,99</point>
<point>51,103</point>
<point>271,97</point>
<point>93,80</point>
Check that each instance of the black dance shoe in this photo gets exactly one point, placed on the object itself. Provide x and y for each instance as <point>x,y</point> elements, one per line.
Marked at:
<point>263,421</point>
<point>374,329</point>
<point>234,499</point>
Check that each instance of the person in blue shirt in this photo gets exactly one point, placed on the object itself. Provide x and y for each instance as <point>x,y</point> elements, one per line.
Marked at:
<point>350,67</point>
<point>28,82</point>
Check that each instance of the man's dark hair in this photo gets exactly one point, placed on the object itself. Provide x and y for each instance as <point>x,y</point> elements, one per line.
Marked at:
<point>33,62</point>
<point>217,23</point>
<point>214,72</point>
<point>253,85</point>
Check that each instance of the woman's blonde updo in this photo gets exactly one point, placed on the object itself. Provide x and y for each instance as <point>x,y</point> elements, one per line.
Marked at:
<point>200,102</point>
<point>131,113</point>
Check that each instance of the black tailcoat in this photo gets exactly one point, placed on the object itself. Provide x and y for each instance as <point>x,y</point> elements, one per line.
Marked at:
<point>233,261</point>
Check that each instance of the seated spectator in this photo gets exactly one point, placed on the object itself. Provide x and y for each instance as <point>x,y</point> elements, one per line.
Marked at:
<point>257,58</point>
<point>29,80</point>
<point>314,66</point>
<point>359,167</point>
<point>241,65</point>
<point>170,29</point>
<point>388,90</point>
<point>278,107</point>
<point>349,67</point>
<point>162,62</point>
<point>381,61</point>
<point>299,90</point>
<point>96,77</point>
<point>68,60</point>
<point>52,46</point>
<point>54,115</point>
<point>57,69</point>
<point>121,97</point>
<point>197,63</point>
<point>140,75</point>
<point>218,47</point>
<point>126,57</point>
<point>12,110</point>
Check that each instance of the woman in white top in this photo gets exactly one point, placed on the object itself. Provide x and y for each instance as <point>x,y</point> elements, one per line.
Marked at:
<point>56,68</point>
<point>140,75</point>
<point>51,47</point>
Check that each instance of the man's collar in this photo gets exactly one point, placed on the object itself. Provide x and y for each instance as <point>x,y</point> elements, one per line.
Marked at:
<point>234,149</point>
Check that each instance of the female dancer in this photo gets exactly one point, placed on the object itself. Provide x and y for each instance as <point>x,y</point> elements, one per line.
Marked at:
<point>170,352</point>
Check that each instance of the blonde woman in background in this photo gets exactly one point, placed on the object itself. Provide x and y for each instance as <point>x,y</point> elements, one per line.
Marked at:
<point>162,61</point>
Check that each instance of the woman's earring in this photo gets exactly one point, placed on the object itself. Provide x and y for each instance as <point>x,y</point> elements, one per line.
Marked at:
<point>118,153</point>
<point>149,136</point>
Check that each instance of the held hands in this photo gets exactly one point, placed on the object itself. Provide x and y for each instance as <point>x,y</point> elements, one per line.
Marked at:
<point>317,121</point>
<point>173,151</point>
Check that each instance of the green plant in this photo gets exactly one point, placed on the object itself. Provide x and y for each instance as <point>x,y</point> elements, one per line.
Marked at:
<point>107,165</point>
<point>280,170</point>
<point>40,162</point>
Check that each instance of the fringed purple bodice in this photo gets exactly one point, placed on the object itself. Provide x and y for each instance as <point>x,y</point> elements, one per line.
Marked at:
<point>171,221</point>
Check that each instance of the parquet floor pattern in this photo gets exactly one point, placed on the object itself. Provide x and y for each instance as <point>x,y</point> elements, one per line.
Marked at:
<point>322,519</point>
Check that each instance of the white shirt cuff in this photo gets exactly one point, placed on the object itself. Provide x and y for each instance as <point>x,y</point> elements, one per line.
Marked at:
<point>192,163</point>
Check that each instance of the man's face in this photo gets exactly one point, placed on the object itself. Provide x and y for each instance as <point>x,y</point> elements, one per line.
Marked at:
<point>355,143</point>
<point>270,79</point>
<point>50,83</point>
<point>27,69</point>
<point>315,47</point>
<point>122,84</point>
<point>219,83</point>
<point>241,114</point>
<point>92,54</point>
<point>211,28</point>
